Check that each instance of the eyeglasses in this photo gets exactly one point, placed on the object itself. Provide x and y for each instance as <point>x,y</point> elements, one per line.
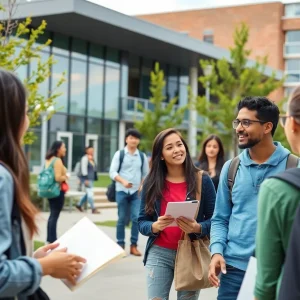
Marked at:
<point>245,123</point>
<point>283,118</point>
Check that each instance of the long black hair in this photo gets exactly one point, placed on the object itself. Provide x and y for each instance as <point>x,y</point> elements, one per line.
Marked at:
<point>203,161</point>
<point>53,151</point>
<point>155,183</point>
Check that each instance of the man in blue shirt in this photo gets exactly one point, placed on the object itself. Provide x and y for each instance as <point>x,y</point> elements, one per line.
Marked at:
<point>233,224</point>
<point>134,169</point>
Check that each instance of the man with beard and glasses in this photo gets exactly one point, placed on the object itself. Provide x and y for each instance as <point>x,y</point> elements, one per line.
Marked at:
<point>233,225</point>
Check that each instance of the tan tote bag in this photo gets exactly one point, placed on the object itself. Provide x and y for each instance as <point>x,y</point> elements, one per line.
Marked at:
<point>192,258</point>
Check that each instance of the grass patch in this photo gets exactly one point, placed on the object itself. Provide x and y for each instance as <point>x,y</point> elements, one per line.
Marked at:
<point>103,180</point>
<point>38,244</point>
<point>109,223</point>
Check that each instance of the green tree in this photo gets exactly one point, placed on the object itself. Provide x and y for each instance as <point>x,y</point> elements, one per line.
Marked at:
<point>159,115</point>
<point>20,46</point>
<point>229,82</point>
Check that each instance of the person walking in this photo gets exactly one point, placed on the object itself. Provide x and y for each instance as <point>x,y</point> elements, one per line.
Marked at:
<point>21,270</point>
<point>277,204</point>
<point>172,178</point>
<point>54,158</point>
<point>88,176</point>
<point>128,168</point>
<point>234,222</point>
<point>211,158</point>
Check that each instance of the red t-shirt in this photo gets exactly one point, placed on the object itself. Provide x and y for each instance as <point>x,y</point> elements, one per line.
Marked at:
<point>174,192</point>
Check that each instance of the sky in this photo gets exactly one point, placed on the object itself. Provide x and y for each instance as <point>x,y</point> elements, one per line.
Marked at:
<point>137,7</point>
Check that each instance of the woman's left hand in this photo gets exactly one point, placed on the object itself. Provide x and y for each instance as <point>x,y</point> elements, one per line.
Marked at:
<point>43,251</point>
<point>188,226</point>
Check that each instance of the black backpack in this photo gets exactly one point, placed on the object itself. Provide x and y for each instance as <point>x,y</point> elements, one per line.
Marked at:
<point>292,162</point>
<point>111,189</point>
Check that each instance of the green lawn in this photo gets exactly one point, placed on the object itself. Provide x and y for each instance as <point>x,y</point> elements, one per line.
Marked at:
<point>109,223</point>
<point>38,244</point>
<point>103,180</point>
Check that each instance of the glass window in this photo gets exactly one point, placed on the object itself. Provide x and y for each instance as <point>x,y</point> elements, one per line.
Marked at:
<point>208,39</point>
<point>293,77</point>
<point>293,65</point>
<point>79,49</point>
<point>172,90</point>
<point>33,152</point>
<point>146,71</point>
<point>134,76</point>
<point>61,66</point>
<point>60,44</point>
<point>96,53</point>
<point>95,95</point>
<point>292,10</point>
<point>76,124</point>
<point>184,76</point>
<point>78,148</point>
<point>42,39</point>
<point>293,36</point>
<point>109,146</point>
<point>291,49</point>
<point>112,57</point>
<point>111,128</point>
<point>58,122</point>
<point>44,86</point>
<point>78,87</point>
<point>112,89</point>
<point>94,125</point>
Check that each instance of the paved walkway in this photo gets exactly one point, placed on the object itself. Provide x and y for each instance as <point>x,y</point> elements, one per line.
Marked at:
<point>124,279</point>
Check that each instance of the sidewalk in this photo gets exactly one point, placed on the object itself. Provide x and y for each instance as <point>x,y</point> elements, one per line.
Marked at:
<point>124,279</point>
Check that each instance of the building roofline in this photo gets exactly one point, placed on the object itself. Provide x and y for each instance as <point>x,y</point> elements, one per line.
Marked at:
<point>99,13</point>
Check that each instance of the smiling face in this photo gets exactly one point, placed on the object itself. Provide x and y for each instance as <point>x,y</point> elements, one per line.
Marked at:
<point>174,152</point>
<point>252,135</point>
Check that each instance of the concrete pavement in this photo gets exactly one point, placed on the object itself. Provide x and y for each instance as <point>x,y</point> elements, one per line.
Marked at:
<point>124,279</point>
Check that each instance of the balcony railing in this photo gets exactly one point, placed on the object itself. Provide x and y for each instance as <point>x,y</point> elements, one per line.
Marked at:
<point>131,108</point>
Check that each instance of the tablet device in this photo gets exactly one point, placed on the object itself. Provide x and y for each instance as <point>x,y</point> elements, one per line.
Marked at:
<point>185,209</point>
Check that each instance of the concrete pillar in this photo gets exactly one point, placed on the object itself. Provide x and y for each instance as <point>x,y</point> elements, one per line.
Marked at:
<point>122,127</point>
<point>192,131</point>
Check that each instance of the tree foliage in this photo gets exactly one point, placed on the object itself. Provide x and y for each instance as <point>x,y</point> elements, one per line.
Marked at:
<point>229,83</point>
<point>20,46</point>
<point>159,115</point>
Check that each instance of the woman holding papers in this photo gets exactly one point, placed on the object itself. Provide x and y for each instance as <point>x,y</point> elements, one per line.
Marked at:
<point>172,178</point>
<point>20,271</point>
<point>277,205</point>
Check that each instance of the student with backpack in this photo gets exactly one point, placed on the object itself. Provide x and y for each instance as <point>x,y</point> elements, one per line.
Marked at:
<point>21,270</point>
<point>56,198</point>
<point>128,169</point>
<point>278,200</point>
<point>233,224</point>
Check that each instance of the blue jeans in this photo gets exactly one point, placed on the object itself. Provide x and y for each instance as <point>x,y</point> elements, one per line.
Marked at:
<point>160,268</point>
<point>230,283</point>
<point>89,196</point>
<point>125,200</point>
<point>56,205</point>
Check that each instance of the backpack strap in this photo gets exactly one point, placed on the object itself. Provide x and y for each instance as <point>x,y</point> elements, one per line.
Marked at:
<point>142,159</point>
<point>52,163</point>
<point>292,161</point>
<point>291,176</point>
<point>121,158</point>
<point>233,167</point>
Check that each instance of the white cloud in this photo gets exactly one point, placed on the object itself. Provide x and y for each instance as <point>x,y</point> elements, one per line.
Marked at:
<point>136,7</point>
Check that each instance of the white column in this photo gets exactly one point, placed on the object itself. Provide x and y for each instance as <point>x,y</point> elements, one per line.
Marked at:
<point>44,137</point>
<point>192,131</point>
<point>122,126</point>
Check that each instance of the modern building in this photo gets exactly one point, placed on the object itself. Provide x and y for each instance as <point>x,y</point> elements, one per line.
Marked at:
<point>274,31</point>
<point>107,58</point>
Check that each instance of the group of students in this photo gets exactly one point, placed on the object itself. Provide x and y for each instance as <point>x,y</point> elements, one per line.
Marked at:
<point>249,215</point>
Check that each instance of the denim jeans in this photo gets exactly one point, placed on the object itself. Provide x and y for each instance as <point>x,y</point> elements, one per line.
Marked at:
<point>160,274</point>
<point>230,283</point>
<point>56,205</point>
<point>125,200</point>
<point>89,196</point>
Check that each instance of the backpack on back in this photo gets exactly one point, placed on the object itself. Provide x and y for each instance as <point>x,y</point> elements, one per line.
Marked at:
<point>111,189</point>
<point>47,186</point>
<point>292,162</point>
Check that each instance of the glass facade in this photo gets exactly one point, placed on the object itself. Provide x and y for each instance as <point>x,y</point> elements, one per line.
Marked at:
<point>98,79</point>
<point>292,10</point>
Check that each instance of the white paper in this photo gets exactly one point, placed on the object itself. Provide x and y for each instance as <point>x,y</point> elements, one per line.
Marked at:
<point>248,285</point>
<point>185,209</point>
<point>90,242</point>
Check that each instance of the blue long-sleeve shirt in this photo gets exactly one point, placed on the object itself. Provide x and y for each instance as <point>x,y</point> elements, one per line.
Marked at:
<point>233,227</point>
<point>21,275</point>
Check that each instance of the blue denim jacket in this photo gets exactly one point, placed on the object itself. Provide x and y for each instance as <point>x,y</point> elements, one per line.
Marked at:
<point>206,210</point>
<point>21,275</point>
